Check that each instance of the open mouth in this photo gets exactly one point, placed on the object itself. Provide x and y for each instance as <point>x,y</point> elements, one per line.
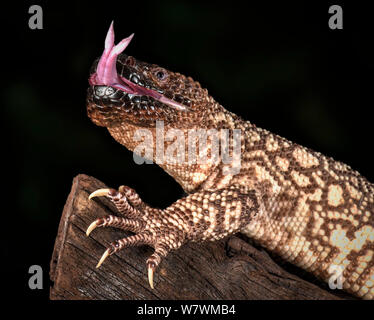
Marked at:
<point>106,73</point>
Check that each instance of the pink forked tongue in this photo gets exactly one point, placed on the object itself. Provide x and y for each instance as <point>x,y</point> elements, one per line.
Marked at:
<point>106,72</point>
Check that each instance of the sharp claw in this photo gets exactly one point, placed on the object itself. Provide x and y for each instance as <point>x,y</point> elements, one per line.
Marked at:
<point>99,193</point>
<point>91,227</point>
<point>103,257</point>
<point>150,276</point>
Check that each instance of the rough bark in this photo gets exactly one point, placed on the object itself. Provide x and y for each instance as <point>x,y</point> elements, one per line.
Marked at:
<point>226,269</point>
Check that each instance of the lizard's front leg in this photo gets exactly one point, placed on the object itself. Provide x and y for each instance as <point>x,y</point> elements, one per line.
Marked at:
<point>202,216</point>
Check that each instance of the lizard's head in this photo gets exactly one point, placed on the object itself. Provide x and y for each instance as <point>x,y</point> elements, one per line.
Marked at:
<point>129,97</point>
<point>124,91</point>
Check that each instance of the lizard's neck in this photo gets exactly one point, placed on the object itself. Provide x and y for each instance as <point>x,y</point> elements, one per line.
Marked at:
<point>166,148</point>
<point>176,150</point>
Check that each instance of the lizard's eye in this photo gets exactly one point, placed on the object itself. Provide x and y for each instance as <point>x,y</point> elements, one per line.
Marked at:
<point>161,75</point>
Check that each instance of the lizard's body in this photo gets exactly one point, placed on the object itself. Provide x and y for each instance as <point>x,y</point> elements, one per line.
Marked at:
<point>313,211</point>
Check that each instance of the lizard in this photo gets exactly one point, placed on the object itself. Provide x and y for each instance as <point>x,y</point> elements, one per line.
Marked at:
<point>313,211</point>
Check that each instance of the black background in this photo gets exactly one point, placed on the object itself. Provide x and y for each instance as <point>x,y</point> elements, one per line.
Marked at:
<point>277,65</point>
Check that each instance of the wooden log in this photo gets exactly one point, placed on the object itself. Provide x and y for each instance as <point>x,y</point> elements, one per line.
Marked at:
<point>226,269</point>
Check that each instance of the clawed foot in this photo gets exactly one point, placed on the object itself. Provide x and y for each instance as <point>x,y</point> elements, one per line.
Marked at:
<point>202,216</point>
<point>151,226</point>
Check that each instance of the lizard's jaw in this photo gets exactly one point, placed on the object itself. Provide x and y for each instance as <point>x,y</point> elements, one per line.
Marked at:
<point>106,73</point>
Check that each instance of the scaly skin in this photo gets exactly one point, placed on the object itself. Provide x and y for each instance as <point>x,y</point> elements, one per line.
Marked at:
<point>311,210</point>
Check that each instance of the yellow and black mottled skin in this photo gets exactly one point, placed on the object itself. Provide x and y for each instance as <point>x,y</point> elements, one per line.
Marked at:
<point>311,210</point>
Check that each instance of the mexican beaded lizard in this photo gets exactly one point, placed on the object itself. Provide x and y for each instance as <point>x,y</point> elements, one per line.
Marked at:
<point>313,211</point>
